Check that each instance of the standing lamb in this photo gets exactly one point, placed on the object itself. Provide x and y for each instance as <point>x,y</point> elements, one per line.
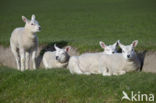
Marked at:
<point>56,59</point>
<point>88,63</point>
<point>24,41</point>
<point>120,63</point>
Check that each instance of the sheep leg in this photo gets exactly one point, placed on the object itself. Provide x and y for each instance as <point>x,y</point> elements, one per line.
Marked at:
<point>105,71</point>
<point>76,67</point>
<point>27,60</point>
<point>22,54</point>
<point>45,63</point>
<point>115,73</point>
<point>122,72</point>
<point>16,55</point>
<point>34,59</point>
<point>119,73</point>
<point>106,74</point>
<point>87,73</point>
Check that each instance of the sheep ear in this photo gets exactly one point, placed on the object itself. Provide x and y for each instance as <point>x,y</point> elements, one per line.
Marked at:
<point>24,19</point>
<point>56,48</point>
<point>120,45</point>
<point>68,48</point>
<point>116,43</point>
<point>102,44</point>
<point>134,43</point>
<point>33,17</point>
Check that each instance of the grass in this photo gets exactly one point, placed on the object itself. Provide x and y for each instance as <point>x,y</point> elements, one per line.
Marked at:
<point>59,86</point>
<point>83,23</point>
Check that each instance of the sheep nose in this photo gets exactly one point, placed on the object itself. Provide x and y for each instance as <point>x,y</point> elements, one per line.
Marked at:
<point>113,52</point>
<point>128,56</point>
<point>56,57</point>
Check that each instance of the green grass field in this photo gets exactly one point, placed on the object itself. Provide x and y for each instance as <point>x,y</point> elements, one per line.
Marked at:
<point>59,86</point>
<point>83,23</point>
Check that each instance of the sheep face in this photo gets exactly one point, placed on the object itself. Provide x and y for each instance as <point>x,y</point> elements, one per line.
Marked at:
<point>31,25</point>
<point>109,49</point>
<point>128,50</point>
<point>62,54</point>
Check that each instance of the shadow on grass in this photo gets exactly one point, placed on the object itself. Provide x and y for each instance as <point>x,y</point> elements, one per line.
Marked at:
<point>141,56</point>
<point>49,47</point>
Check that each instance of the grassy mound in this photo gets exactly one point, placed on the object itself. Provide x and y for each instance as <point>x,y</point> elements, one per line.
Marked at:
<point>59,86</point>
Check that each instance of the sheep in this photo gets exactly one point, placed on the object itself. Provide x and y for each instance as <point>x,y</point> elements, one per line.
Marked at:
<point>120,63</point>
<point>24,41</point>
<point>88,63</point>
<point>109,49</point>
<point>56,59</point>
<point>84,64</point>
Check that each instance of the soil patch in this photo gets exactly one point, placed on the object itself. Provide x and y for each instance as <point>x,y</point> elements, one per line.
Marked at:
<point>148,58</point>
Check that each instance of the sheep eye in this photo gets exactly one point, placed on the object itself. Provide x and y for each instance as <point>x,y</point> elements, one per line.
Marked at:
<point>32,24</point>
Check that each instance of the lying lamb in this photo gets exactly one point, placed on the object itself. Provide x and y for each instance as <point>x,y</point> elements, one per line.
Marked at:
<point>88,63</point>
<point>56,59</point>
<point>109,49</point>
<point>24,41</point>
<point>120,63</point>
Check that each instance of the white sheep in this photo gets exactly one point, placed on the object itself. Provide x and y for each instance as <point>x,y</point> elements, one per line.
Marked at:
<point>109,49</point>
<point>56,59</point>
<point>120,63</point>
<point>24,41</point>
<point>84,64</point>
<point>88,63</point>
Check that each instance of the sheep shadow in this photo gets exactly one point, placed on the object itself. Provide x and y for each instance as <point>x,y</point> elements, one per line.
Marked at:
<point>49,47</point>
<point>141,56</point>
